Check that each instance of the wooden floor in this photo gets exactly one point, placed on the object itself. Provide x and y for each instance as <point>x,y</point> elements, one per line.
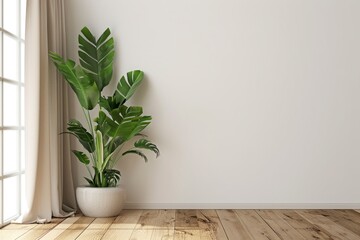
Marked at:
<point>198,224</point>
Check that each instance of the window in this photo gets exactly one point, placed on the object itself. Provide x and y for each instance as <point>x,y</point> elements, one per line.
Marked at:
<point>12,126</point>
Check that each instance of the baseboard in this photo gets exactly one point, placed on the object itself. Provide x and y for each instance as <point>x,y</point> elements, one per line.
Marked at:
<point>242,206</point>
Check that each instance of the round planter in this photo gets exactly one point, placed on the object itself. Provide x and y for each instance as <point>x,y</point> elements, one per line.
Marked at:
<point>100,202</point>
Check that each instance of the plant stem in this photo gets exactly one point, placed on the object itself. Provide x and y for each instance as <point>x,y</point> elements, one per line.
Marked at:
<point>87,167</point>
<point>112,162</point>
<point>90,123</point>
<point>88,120</point>
<point>92,158</point>
<point>92,130</point>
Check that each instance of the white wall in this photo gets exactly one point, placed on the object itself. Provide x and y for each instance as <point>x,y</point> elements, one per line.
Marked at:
<point>254,102</point>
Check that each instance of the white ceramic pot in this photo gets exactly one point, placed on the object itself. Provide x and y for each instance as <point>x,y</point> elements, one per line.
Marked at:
<point>100,202</point>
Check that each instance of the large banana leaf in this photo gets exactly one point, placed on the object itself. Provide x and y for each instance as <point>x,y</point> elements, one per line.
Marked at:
<point>146,144</point>
<point>97,57</point>
<point>102,125</point>
<point>99,179</point>
<point>82,157</point>
<point>112,176</point>
<point>109,178</point>
<point>143,144</point>
<point>137,152</point>
<point>83,86</point>
<point>75,128</point>
<point>109,103</point>
<point>128,129</point>
<point>112,145</point>
<point>124,113</point>
<point>126,122</point>
<point>126,87</point>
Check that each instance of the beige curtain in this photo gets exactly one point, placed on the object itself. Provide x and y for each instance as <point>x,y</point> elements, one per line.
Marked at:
<point>49,183</point>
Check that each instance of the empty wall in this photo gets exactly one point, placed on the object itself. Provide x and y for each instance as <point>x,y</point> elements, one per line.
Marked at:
<point>254,103</point>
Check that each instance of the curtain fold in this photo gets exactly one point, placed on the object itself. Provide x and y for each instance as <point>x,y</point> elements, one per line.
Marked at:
<point>49,183</point>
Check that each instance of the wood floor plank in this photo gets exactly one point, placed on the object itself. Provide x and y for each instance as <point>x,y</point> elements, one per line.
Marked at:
<point>11,234</point>
<point>118,234</point>
<point>13,231</point>
<point>187,234</point>
<point>210,225</point>
<point>96,229</point>
<point>123,226</point>
<point>165,226</point>
<point>353,215</point>
<point>165,220</point>
<point>346,218</point>
<point>279,226</point>
<point>81,224</point>
<point>234,228</point>
<point>91,235</point>
<point>16,226</point>
<point>126,220</point>
<point>142,234</point>
<point>256,226</point>
<point>335,230</point>
<point>206,235</point>
<point>75,229</point>
<point>70,234</point>
<point>149,220</point>
<point>101,223</point>
<point>300,224</point>
<point>61,227</point>
<point>187,225</point>
<point>186,219</point>
<point>40,229</point>
<point>162,234</point>
<point>198,225</point>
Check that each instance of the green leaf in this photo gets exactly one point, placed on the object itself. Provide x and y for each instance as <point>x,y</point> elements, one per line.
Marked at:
<point>141,135</point>
<point>124,113</point>
<point>91,182</point>
<point>128,122</point>
<point>113,144</point>
<point>129,127</point>
<point>108,103</point>
<point>103,37</point>
<point>82,157</point>
<point>100,119</point>
<point>105,163</point>
<point>99,179</point>
<point>112,177</point>
<point>86,32</point>
<point>102,125</point>
<point>133,111</point>
<point>137,152</point>
<point>116,116</point>
<point>75,128</point>
<point>97,57</point>
<point>126,87</point>
<point>125,122</point>
<point>84,88</point>
<point>146,144</point>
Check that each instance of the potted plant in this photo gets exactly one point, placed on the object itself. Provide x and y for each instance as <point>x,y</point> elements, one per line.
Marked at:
<point>115,124</point>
